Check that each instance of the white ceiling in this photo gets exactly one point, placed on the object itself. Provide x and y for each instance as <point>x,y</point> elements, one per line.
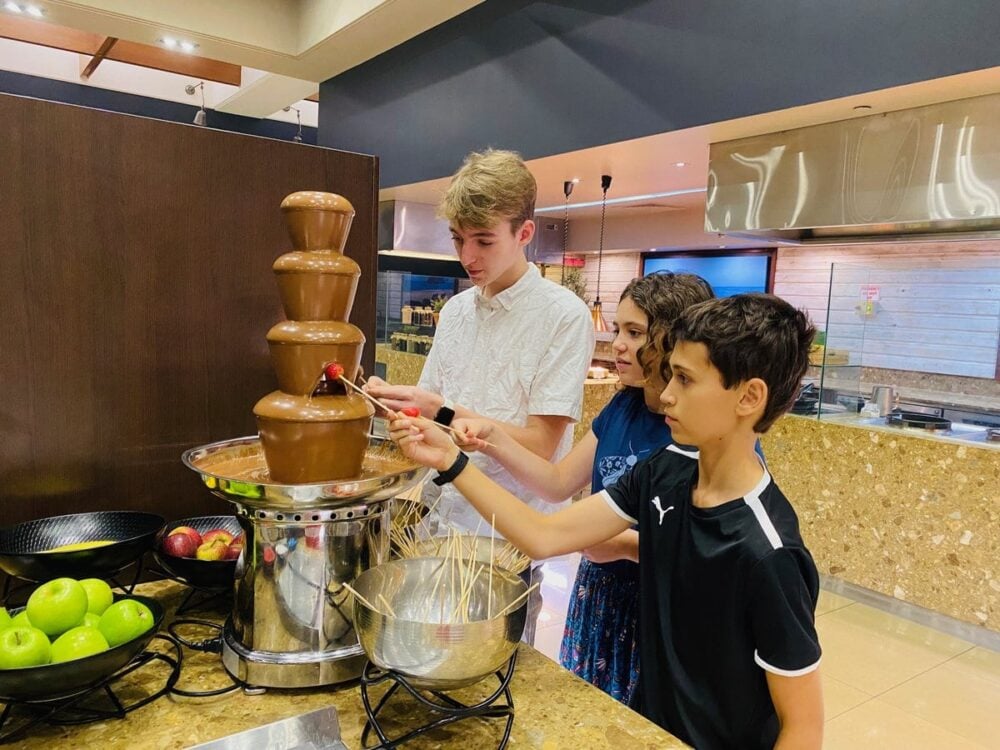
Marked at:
<point>297,43</point>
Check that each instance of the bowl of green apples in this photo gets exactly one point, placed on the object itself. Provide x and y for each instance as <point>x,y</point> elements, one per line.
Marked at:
<point>70,636</point>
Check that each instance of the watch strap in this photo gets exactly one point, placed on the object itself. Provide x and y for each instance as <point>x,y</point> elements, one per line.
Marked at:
<point>449,474</point>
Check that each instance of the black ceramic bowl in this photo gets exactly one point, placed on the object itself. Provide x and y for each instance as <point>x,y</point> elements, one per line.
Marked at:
<point>23,547</point>
<point>204,574</point>
<point>51,681</point>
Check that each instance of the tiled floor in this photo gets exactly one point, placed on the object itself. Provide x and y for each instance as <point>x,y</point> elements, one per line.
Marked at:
<point>888,683</point>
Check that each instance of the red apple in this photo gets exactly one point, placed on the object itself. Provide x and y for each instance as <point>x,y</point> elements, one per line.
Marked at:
<point>188,531</point>
<point>214,550</point>
<point>213,534</point>
<point>180,545</point>
<point>233,551</point>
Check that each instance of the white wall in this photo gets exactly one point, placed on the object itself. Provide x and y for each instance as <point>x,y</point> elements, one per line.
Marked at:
<point>938,308</point>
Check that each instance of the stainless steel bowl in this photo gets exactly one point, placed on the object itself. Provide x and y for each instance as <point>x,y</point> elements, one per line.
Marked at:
<point>424,641</point>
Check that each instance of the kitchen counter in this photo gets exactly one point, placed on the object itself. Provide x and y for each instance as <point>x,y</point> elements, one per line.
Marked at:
<point>908,515</point>
<point>553,709</point>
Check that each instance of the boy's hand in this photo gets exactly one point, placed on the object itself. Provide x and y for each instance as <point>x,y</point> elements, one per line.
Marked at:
<point>424,442</point>
<point>475,433</point>
<point>399,397</point>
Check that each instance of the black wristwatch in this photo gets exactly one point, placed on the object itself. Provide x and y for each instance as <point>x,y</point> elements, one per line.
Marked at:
<point>445,414</point>
<point>449,474</point>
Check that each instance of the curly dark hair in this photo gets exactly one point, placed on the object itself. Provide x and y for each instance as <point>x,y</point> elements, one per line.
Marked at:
<point>663,296</point>
<point>753,336</point>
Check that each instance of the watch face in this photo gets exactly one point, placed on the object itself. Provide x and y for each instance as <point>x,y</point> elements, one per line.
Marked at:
<point>444,416</point>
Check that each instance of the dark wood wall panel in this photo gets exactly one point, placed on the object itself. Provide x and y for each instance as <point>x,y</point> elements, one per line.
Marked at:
<point>135,294</point>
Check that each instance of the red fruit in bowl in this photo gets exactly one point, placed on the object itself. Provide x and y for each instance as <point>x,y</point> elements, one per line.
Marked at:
<point>233,551</point>
<point>213,534</point>
<point>179,545</point>
<point>188,531</point>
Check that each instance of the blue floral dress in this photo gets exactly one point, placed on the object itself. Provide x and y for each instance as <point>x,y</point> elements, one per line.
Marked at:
<point>600,642</point>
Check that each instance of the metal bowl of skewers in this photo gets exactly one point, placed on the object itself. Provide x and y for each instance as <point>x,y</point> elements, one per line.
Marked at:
<point>440,622</point>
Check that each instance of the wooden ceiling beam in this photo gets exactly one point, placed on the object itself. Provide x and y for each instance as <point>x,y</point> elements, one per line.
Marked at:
<point>101,53</point>
<point>181,63</point>
<point>48,35</point>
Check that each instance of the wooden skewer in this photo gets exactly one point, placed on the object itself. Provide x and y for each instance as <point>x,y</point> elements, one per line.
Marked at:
<point>360,598</point>
<point>517,601</point>
<point>388,606</point>
<point>368,396</point>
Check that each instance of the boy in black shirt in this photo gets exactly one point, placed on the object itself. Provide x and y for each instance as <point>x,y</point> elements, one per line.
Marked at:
<point>729,647</point>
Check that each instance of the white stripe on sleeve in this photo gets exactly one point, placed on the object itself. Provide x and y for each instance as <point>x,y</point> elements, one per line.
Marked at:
<point>614,506</point>
<point>785,672</point>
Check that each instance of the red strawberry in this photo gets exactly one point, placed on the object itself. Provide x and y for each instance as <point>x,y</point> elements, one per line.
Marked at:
<point>411,411</point>
<point>334,371</point>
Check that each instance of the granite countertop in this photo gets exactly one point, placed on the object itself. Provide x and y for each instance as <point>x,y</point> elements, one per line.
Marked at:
<point>553,708</point>
<point>866,423</point>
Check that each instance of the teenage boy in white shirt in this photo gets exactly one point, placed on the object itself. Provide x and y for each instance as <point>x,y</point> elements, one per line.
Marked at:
<point>513,349</point>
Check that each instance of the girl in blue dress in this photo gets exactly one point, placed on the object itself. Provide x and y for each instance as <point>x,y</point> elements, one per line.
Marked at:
<point>599,643</point>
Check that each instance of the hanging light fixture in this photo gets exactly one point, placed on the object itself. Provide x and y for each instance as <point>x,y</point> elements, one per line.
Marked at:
<point>200,117</point>
<point>298,114</point>
<point>567,191</point>
<point>600,325</point>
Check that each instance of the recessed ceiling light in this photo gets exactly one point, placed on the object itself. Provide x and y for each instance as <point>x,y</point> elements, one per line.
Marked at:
<point>34,10</point>
<point>188,46</point>
<point>168,42</point>
<point>721,245</point>
<point>680,163</point>
<point>575,180</point>
<point>862,108</point>
<point>12,7</point>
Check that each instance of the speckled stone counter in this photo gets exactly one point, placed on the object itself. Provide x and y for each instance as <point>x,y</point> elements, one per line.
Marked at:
<point>553,709</point>
<point>913,517</point>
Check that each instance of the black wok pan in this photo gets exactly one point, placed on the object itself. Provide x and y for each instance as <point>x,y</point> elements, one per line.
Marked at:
<point>22,547</point>
<point>51,681</point>
<point>205,574</point>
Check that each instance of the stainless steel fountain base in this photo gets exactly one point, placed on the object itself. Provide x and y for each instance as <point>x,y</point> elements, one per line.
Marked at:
<point>290,670</point>
<point>292,620</point>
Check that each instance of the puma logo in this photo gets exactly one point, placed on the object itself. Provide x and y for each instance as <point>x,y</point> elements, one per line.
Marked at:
<point>663,512</point>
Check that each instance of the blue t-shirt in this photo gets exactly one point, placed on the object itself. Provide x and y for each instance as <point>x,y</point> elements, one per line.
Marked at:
<point>627,431</point>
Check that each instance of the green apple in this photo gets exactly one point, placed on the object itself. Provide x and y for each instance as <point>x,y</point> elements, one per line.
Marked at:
<point>125,620</point>
<point>99,595</point>
<point>91,619</point>
<point>5,619</point>
<point>57,606</point>
<point>21,620</point>
<point>78,642</point>
<point>23,647</point>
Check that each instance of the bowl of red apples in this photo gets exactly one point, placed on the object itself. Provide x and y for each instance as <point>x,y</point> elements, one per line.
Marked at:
<point>201,551</point>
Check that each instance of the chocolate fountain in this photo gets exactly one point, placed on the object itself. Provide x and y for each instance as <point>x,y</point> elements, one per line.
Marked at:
<point>312,491</point>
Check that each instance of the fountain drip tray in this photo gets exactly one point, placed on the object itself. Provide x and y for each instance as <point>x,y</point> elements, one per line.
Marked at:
<point>236,470</point>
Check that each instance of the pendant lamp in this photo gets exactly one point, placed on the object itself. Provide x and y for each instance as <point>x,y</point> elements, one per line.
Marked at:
<point>567,190</point>
<point>600,325</point>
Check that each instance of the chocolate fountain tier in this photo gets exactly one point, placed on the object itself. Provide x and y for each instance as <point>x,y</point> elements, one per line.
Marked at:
<point>317,285</point>
<point>235,470</point>
<point>318,221</point>
<point>300,349</point>
<point>313,439</point>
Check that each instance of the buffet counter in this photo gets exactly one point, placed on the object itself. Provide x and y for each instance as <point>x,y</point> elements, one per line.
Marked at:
<point>909,515</point>
<point>553,709</point>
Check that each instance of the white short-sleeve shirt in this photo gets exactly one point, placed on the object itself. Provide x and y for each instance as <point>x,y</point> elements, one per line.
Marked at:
<point>524,351</point>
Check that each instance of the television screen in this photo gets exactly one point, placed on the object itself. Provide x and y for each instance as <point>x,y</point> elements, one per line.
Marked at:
<point>728,274</point>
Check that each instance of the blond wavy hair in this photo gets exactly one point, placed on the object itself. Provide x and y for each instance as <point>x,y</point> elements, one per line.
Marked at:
<point>491,185</point>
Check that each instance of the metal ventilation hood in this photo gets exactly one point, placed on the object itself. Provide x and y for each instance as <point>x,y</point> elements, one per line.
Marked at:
<point>929,173</point>
<point>414,230</point>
